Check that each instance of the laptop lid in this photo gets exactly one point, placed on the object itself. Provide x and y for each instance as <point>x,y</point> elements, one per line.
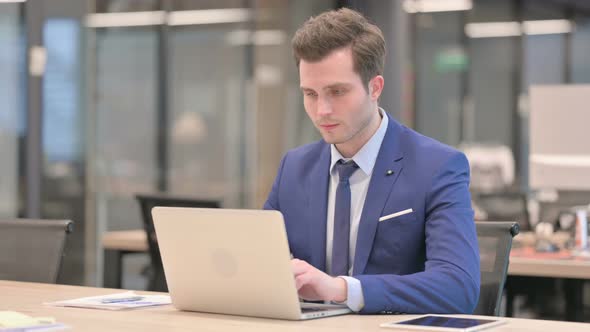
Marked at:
<point>227,261</point>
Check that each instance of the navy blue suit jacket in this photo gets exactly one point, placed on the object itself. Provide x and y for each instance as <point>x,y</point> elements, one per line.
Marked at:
<point>423,262</point>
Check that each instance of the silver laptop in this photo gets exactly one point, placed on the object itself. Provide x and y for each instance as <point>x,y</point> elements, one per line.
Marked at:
<point>233,262</point>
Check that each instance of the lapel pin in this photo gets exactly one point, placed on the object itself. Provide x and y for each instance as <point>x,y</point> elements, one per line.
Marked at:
<point>389,172</point>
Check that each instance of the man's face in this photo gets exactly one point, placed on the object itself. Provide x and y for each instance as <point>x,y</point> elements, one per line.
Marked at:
<point>336,100</point>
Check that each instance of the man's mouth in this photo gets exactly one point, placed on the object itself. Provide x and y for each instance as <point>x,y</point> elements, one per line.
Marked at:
<point>328,126</point>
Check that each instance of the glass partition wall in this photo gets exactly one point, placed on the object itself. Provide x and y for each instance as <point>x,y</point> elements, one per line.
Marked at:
<point>12,94</point>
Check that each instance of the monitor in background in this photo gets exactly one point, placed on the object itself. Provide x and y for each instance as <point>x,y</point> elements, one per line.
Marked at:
<point>559,157</point>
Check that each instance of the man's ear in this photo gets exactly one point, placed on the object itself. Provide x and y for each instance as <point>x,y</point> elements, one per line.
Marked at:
<point>376,87</point>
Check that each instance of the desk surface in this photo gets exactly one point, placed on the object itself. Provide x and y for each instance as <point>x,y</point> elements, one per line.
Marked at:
<point>551,268</point>
<point>27,298</point>
<point>524,261</point>
<point>132,240</point>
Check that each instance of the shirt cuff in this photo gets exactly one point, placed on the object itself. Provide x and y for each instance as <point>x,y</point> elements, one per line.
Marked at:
<point>355,300</point>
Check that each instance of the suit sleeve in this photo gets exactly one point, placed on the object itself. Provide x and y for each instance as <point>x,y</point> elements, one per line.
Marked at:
<point>451,279</point>
<point>272,202</point>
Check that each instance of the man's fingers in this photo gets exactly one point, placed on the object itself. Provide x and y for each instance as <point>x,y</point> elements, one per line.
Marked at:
<point>302,280</point>
<point>298,266</point>
<point>311,282</point>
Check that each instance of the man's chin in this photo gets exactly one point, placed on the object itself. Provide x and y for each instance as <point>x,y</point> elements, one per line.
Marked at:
<point>330,139</point>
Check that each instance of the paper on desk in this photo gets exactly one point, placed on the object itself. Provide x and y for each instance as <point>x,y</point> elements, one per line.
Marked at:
<point>12,321</point>
<point>96,302</point>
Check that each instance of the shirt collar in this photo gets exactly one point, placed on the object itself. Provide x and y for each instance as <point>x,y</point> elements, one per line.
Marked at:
<point>366,157</point>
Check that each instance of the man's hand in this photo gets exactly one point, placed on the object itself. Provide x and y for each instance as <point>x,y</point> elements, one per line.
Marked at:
<point>314,285</point>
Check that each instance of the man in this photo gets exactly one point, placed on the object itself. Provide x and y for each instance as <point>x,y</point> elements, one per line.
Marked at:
<point>378,216</point>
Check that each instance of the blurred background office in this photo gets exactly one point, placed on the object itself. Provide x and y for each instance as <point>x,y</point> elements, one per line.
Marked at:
<point>102,100</point>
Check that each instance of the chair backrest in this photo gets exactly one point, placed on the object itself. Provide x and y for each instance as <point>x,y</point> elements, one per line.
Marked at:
<point>495,242</point>
<point>147,202</point>
<point>504,205</point>
<point>32,250</point>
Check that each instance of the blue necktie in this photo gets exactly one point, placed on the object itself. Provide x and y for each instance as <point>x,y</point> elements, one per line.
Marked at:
<point>340,241</point>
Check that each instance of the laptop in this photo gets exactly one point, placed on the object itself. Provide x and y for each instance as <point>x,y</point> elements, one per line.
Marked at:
<point>233,262</point>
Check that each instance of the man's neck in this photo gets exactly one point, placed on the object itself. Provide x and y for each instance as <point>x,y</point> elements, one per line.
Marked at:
<point>350,148</point>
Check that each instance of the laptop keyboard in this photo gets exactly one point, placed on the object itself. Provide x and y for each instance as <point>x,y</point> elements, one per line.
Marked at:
<point>312,309</point>
<point>316,307</point>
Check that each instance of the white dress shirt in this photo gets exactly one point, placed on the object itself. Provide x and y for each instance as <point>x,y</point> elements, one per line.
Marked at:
<point>365,158</point>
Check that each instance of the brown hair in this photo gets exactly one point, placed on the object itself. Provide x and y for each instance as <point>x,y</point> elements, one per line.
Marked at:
<point>336,29</point>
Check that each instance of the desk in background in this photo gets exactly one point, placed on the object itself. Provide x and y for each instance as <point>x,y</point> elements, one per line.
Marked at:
<point>28,298</point>
<point>526,262</point>
<point>116,245</point>
<point>119,243</point>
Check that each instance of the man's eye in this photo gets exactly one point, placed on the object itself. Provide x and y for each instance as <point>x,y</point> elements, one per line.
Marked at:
<point>338,92</point>
<point>310,94</point>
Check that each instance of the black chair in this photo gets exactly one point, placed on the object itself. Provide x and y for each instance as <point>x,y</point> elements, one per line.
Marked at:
<point>495,242</point>
<point>32,249</point>
<point>504,205</point>
<point>157,279</point>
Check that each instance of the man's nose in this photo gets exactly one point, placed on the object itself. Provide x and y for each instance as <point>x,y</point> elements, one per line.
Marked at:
<point>324,106</point>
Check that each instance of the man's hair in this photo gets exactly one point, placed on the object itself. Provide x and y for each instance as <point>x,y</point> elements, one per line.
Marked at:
<point>337,29</point>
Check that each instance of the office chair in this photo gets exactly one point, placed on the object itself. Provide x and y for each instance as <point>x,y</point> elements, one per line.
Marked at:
<point>32,249</point>
<point>495,242</point>
<point>157,279</point>
<point>504,205</point>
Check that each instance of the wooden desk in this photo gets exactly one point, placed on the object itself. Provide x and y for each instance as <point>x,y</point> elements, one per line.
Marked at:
<point>551,268</point>
<point>116,245</point>
<point>132,240</point>
<point>27,298</point>
<point>525,262</point>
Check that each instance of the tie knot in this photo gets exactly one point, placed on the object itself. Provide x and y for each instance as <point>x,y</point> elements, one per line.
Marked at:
<point>346,169</point>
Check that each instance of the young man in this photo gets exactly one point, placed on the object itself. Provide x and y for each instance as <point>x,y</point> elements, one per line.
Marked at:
<point>378,216</point>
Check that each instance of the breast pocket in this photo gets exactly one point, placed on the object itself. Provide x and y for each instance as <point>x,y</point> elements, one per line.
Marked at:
<point>390,225</point>
<point>397,237</point>
<point>397,215</point>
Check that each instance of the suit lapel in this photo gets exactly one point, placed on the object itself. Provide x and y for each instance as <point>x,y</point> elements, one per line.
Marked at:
<point>382,180</point>
<point>318,208</point>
